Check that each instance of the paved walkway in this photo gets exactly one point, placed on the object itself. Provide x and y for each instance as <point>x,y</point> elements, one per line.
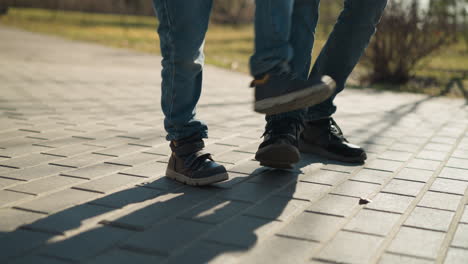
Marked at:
<point>82,161</point>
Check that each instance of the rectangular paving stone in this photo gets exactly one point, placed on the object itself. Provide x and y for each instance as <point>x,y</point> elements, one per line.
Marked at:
<point>390,203</point>
<point>454,173</point>
<point>36,259</point>
<point>373,176</point>
<point>125,256</point>
<point>120,150</point>
<point>312,226</point>
<point>395,155</point>
<point>126,197</point>
<point>414,175</point>
<point>438,147</point>
<point>58,201</point>
<point>432,155</point>
<point>167,237</point>
<point>341,167</point>
<point>325,177</point>
<point>388,258</point>
<point>16,243</point>
<point>215,211</point>
<point>13,218</point>
<point>277,208</point>
<point>234,157</point>
<point>409,188</point>
<point>275,178</point>
<point>5,182</point>
<point>417,242</point>
<point>133,159</point>
<point>86,245</point>
<point>457,163</point>
<point>147,170</point>
<point>305,190</point>
<point>373,222</point>
<point>69,219</point>
<point>70,151</point>
<point>461,236</point>
<point>347,247</point>
<point>21,150</point>
<point>444,140</point>
<point>249,148</point>
<point>247,192</point>
<point>35,172</point>
<point>81,160</point>
<point>28,160</point>
<point>429,218</point>
<point>335,205</point>
<point>249,167</point>
<point>61,142</point>
<point>449,186</point>
<point>384,165</point>
<point>161,183</point>
<point>48,184</point>
<point>373,148</point>
<point>404,147</point>
<point>248,231</point>
<point>456,256</point>
<point>207,252</point>
<point>236,141</point>
<point>356,189</point>
<point>109,183</point>
<point>93,171</point>
<point>442,201</point>
<point>386,141</point>
<point>234,179</point>
<point>273,251</point>
<point>152,141</point>
<point>461,154</point>
<point>10,197</point>
<point>423,164</point>
<point>165,206</point>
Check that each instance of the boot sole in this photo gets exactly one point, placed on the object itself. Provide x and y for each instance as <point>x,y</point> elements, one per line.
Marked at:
<point>280,156</point>
<point>196,182</point>
<point>297,100</point>
<point>307,148</point>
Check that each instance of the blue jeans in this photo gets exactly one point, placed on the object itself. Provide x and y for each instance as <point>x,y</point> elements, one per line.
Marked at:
<point>284,36</point>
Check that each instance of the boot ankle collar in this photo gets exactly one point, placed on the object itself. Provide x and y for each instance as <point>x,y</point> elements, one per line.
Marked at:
<point>187,148</point>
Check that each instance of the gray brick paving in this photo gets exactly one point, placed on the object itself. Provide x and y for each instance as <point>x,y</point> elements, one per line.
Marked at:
<point>82,173</point>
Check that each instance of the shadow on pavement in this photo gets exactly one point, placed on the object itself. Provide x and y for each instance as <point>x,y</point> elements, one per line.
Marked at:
<point>168,218</point>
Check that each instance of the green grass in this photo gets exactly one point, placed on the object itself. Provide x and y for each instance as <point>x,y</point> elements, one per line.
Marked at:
<point>226,46</point>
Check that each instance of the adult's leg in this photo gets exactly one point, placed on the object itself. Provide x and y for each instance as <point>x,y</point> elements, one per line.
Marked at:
<point>346,44</point>
<point>301,41</point>
<point>182,28</point>
<point>277,90</point>
<point>280,147</point>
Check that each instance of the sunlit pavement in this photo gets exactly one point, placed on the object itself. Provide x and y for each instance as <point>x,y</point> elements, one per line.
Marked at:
<point>82,163</point>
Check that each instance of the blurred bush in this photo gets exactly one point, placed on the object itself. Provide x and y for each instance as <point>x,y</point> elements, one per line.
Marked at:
<point>233,12</point>
<point>408,33</point>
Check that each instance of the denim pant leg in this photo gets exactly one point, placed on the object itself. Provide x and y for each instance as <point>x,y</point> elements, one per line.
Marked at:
<point>350,37</point>
<point>272,32</point>
<point>182,28</point>
<point>303,23</point>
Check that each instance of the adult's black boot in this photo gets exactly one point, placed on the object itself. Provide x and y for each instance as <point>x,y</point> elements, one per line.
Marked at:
<point>325,138</point>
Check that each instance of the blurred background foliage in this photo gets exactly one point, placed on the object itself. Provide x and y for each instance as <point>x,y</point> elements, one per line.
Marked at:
<point>421,45</point>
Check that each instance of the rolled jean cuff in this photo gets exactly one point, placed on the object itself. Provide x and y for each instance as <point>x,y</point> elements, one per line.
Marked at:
<point>177,134</point>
